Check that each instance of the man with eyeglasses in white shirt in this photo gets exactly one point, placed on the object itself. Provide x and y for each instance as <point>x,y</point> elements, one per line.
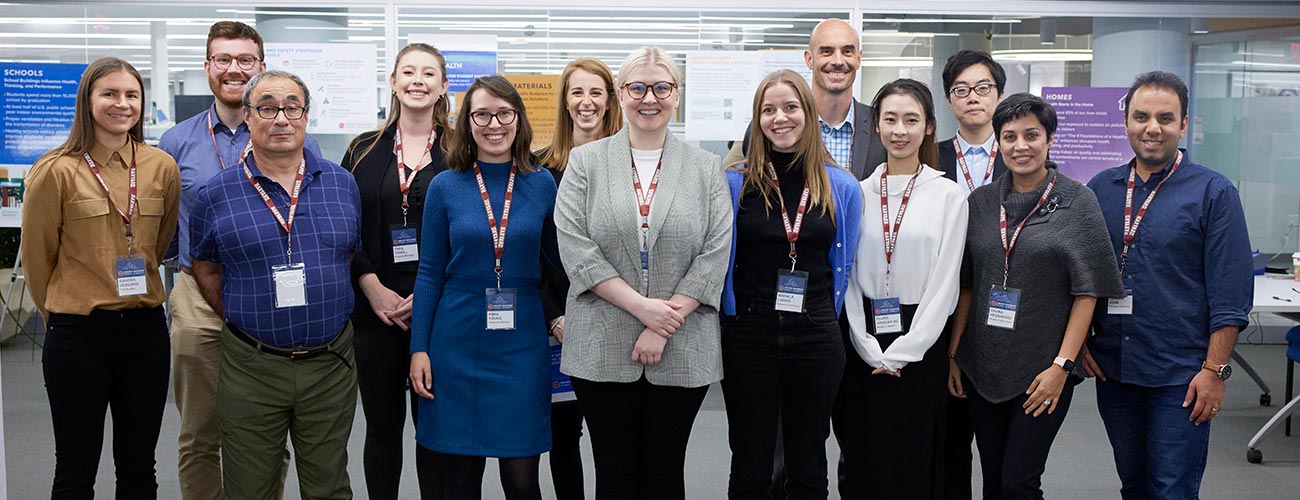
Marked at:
<point>973,83</point>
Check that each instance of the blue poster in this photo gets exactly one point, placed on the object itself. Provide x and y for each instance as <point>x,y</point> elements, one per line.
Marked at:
<point>37,103</point>
<point>463,66</point>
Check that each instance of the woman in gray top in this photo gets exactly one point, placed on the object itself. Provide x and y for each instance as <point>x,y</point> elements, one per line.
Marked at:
<point>1037,258</point>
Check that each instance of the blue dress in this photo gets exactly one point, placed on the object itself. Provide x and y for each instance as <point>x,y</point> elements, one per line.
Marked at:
<point>491,387</point>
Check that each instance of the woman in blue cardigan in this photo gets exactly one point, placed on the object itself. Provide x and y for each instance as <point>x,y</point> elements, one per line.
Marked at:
<point>796,231</point>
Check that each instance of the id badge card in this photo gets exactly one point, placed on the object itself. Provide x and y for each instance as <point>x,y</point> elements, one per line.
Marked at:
<point>406,244</point>
<point>888,314</point>
<point>131,277</point>
<point>500,308</point>
<point>790,289</point>
<point>290,285</point>
<point>645,268</point>
<point>1003,303</point>
<point>1122,306</point>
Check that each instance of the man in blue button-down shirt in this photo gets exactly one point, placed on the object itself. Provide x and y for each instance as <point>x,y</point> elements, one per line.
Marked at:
<point>203,146</point>
<point>272,243</point>
<point>1161,354</point>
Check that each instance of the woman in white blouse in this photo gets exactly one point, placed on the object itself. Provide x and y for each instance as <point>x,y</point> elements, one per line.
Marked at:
<point>890,412</point>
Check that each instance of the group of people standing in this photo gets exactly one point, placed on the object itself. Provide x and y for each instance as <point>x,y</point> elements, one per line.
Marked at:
<point>993,285</point>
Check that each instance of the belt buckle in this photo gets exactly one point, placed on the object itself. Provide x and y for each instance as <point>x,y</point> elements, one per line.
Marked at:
<point>297,354</point>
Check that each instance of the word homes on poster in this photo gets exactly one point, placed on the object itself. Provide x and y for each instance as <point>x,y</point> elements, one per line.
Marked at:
<point>1090,129</point>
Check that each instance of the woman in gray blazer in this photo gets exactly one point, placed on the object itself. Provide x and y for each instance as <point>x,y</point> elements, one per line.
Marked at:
<point>644,225</point>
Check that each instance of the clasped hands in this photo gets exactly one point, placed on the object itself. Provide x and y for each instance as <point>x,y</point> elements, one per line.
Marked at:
<point>661,319</point>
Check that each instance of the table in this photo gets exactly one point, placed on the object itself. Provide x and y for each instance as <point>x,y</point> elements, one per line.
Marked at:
<point>1278,295</point>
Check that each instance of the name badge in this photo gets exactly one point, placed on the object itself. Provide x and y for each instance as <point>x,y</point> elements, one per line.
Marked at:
<point>131,279</point>
<point>1003,303</point>
<point>645,269</point>
<point>790,288</point>
<point>1122,306</point>
<point>500,308</point>
<point>290,285</point>
<point>888,315</point>
<point>406,246</point>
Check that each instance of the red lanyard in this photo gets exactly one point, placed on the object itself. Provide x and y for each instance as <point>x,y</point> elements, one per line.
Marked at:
<point>791,230</point>
<point>1008,245</point>
<point>1131,223</point>
<point>132,196</point>
<point>286,224</point>
<point>965,170</point>
<point>643,199</point>
<point>213,135</point>
<point>498,233</point>
<point>891,237</point>
<point>404,183</point>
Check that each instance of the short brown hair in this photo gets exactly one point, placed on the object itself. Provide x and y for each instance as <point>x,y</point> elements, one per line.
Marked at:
<point>237,31</point>
<point>461,149</point>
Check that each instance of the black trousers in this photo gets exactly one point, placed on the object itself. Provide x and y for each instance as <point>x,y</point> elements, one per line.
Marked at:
<point>460,477</point>
<point>566,452</point>
<point>783,370</point>
<point>891,430</point>
<point>957,455</point>
<point>383,355</point>
<point>1014,446</point>
<point>118,360</point>
<point>639,433</point>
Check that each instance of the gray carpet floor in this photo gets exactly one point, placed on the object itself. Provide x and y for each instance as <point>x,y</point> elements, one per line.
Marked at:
<point>1080,466</point>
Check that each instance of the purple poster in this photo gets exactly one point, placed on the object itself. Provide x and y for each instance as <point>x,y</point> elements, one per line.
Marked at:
<point>1090,129</point>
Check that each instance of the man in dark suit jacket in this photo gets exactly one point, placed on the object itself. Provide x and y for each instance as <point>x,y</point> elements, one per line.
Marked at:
<point>834,56</point>
<point>973,83</point>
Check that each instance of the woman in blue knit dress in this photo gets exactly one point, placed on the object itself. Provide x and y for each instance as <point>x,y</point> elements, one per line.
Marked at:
<point>479,354</point>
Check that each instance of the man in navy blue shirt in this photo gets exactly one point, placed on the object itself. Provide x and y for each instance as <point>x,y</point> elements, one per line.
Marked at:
<point>203,146</point>
<point>1161,353</point>
<point>272,241</point>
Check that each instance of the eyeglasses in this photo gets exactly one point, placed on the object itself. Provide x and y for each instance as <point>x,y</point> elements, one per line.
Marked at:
<point>662,90</point>
<point>246,62</point>
<point>504,117</point>
<point>290,112</point>
<point>982,89</point>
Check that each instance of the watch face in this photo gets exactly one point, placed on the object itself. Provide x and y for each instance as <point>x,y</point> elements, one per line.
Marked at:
<point>1225,371</point>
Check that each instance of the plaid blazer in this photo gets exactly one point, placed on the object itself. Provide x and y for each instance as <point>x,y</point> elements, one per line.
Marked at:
<point>689,242</point>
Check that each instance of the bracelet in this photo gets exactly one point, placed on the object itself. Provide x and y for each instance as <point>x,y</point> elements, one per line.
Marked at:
<point>952,356</point>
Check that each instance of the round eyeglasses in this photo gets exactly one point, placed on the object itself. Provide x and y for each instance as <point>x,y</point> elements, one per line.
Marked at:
<point>661,90</point>
<point>504,117</point>
<point>246,62</point>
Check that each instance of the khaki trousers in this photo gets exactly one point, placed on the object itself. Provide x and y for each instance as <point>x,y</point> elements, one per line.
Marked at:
<point>266,398</point>
<point>196,350</point>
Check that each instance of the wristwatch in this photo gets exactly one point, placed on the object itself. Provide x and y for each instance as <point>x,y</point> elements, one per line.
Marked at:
<point>1221,371</point>
<point>1064,363</point>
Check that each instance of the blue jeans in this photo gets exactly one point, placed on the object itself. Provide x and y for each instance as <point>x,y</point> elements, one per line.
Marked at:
<point>1159,453</point>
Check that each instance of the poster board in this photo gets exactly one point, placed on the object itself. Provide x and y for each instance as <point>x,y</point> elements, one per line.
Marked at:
<point>341,101</point>
<point>1089,130</point>
<point>722,82</point>
<point>541,97</point>
<point>37,104</point>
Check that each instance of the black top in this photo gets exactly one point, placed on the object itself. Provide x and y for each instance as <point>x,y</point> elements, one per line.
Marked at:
<point>381,209</point>
<point>554,283</point>
<point>761,245</point>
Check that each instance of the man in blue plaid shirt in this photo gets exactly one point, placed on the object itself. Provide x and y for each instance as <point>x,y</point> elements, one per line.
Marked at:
<point>272,241</point>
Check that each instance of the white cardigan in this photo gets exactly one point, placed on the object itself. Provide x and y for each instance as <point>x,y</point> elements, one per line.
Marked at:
<point>926,263</point>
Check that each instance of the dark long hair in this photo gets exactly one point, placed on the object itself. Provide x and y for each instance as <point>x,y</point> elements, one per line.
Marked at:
<point>462,151</point>
<point>929,152</point>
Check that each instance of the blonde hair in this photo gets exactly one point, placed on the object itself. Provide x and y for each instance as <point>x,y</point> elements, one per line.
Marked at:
<point>440,108</point>
<point>556,155</point>
<point>810,153</point>
<point>82,136</point>
<point>648,55</point>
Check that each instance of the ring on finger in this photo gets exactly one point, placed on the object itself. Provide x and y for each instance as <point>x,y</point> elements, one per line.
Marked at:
<point>1047,402</point>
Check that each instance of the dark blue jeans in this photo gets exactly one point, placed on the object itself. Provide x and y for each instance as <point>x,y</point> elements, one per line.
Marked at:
<point>785,365</point>
<point>1159,453</point>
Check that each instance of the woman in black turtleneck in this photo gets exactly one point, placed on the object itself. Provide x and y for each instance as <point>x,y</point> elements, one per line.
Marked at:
<point>781,348</point>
